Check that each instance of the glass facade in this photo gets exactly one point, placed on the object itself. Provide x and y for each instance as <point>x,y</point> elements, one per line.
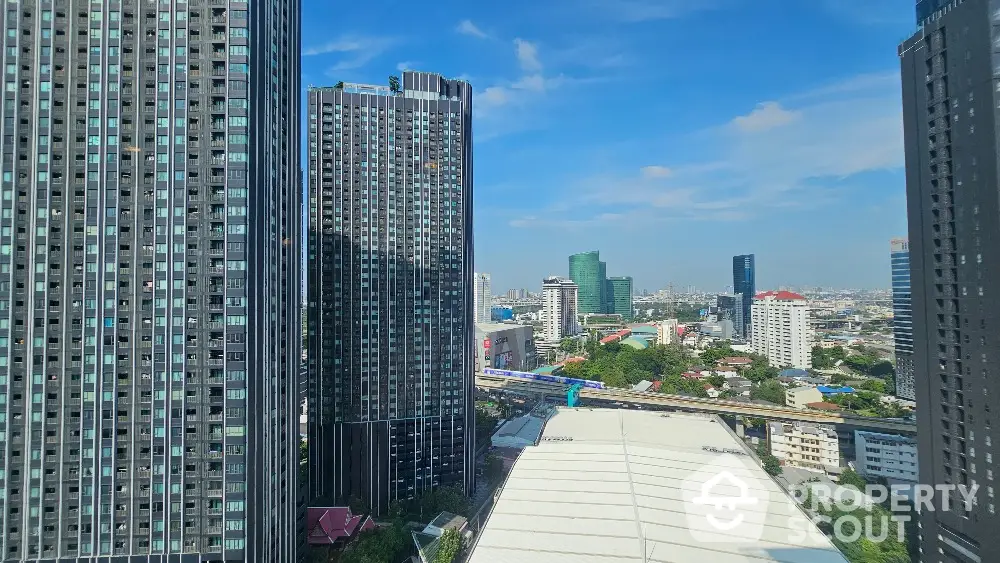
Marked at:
<point>149,226</point>
<point>744,283</point>
<point>619,297</point>
<point>589,274</point>
<point>391,349</point>
<point>902,324</point>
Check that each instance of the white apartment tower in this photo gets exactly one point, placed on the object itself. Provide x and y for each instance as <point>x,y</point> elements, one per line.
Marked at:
<point>779,329</point>
<point>482,298</point>
<point>559,296</point>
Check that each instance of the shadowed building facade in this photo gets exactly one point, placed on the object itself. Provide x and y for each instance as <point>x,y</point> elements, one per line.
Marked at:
<point>391,332</point>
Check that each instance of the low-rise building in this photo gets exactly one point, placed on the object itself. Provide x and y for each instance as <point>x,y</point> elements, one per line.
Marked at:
<point>809,446</point>
<point>799,397</point>
<point>891,456</point>
<point>505,346</point>
<point>667,332</point>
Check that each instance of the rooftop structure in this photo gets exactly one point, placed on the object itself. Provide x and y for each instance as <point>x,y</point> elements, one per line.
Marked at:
<point>610,486</point>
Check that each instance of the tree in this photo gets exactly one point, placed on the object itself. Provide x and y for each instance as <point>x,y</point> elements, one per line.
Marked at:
<point>394,84</point>
<point>771,465</point>
<point>449,546</point>
<point>769,390</point>
<point>339,85</point>
<point>716,380</point>
<point>493,469</point>
<point>379,545</point>
<point>875,385</point>
<point>615,377</point>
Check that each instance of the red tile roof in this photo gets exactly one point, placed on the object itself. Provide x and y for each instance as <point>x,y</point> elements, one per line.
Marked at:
<point>734,361</point>
<point>328,525</point>
<point>657,385</point>
<point>692,375</point>
<point>616,336</point>
<point>781,295</point>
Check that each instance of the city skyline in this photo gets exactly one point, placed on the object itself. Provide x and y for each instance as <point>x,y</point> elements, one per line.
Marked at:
<point>735,146</point>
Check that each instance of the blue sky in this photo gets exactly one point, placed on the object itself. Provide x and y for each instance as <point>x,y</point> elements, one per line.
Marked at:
<point>668,134</point>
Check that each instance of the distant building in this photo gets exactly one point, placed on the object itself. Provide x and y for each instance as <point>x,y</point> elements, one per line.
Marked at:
<point>666,332</point>
<point>730,308</point>
<point>560,308</point>
<point>891,456</point>
<point>482,298</point>
<point>505,346</point>
<point>590,275</point>
<point>512,294</point>
<point>619,297</point>
<point>745,284</point>
<point>902,321</point>
<point>723,330</point>
<point>780,329</point>
<point>799,397</point>
<point>809,446</point>
<point>500,314</point>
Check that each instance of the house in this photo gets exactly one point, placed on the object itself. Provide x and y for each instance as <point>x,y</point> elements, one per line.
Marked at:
<point>334,525</point>
<point>824,406</point>
<point>712,392</point>
<point>798,397</point>
<point>692,375</point>
<point>734,361</point>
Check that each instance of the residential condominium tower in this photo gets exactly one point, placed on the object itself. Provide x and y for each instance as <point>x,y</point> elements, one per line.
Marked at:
<point>902,321</point>
<point>559,308</point>
<point>149,281</point>
<point>482,298</point>
<point>744,283</point>
<point>950,70</point>
<point>391,331</point>
<point>780,328</point>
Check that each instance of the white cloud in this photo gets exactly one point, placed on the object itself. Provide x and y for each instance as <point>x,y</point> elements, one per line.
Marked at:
<point>636,11</point>
<point>655,172</point>
<point>527,55</point>
<point>466,27</point>
<point>355,51</point>
<point>406,65</point>
<point>781,155</point>
<point>767,115</point>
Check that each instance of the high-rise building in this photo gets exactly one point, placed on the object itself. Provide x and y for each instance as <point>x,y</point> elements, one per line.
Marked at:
<point>560,308</point>
<point>902,322</point>
<point>482,298</point>
<point>619,297</point>
<point>745,283</point>
<point>149,277</point>
<point>780,329</point>
<point>731,309</point>
<point>391,283</point>
<point>512,294</point>
<point>590,275</point>
<point>951,91</point>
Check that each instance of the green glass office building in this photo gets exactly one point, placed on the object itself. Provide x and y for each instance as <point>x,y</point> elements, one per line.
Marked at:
<point>619,297</point>
<point>589,274</point>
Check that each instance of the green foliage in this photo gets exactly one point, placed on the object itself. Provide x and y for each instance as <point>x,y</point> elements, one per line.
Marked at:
<point>485,423</point>
<point>826,358</point>
<point>449,547</point>
<point>874,385</point>
<point>770,463</point>
<point>716,380</point>
<point>878,523</point>
<point>339,85</point>
<point>443,499</point>
<point>382,545</point>
<point>494,469</point>
<point>768,390</point>
<point>868,403</point>
<point>716,352</point>
<point>570,345</point>
<point>624,366</point>
<point>394,84</point>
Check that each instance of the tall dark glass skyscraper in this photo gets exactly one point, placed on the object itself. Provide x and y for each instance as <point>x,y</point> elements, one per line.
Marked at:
<point>951,95</point>
<point>149,259</point>
<point>744,283</point>
<point>391,333</point>
<point>619,297</point>
<point>902,322</point>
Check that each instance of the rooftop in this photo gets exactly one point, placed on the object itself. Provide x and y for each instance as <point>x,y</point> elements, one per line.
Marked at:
<point>780,295</point>
<point>611,486</point>
<point>497,327</point>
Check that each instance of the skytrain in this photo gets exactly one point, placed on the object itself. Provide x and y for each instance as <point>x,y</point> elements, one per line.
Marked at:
<point>546,378</point>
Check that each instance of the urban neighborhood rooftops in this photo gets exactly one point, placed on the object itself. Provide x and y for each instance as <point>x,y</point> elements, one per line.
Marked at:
<point>780,295</point>
<point>608,486</point>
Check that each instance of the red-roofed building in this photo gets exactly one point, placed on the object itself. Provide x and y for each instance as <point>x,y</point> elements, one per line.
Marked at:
<point>656,385</point>
<point>735,361</point>
<point>692,375</point>
<point>330,525</point>
<point>616,337</point>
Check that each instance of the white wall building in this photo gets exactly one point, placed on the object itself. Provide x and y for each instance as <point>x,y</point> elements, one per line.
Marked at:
<point>886,455</point>
<point>810,446</point>
<point>482,298</point>
<point>666,332</point>
<point>779,329</point>
<point>559,300</point>
<point>799,397</point>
